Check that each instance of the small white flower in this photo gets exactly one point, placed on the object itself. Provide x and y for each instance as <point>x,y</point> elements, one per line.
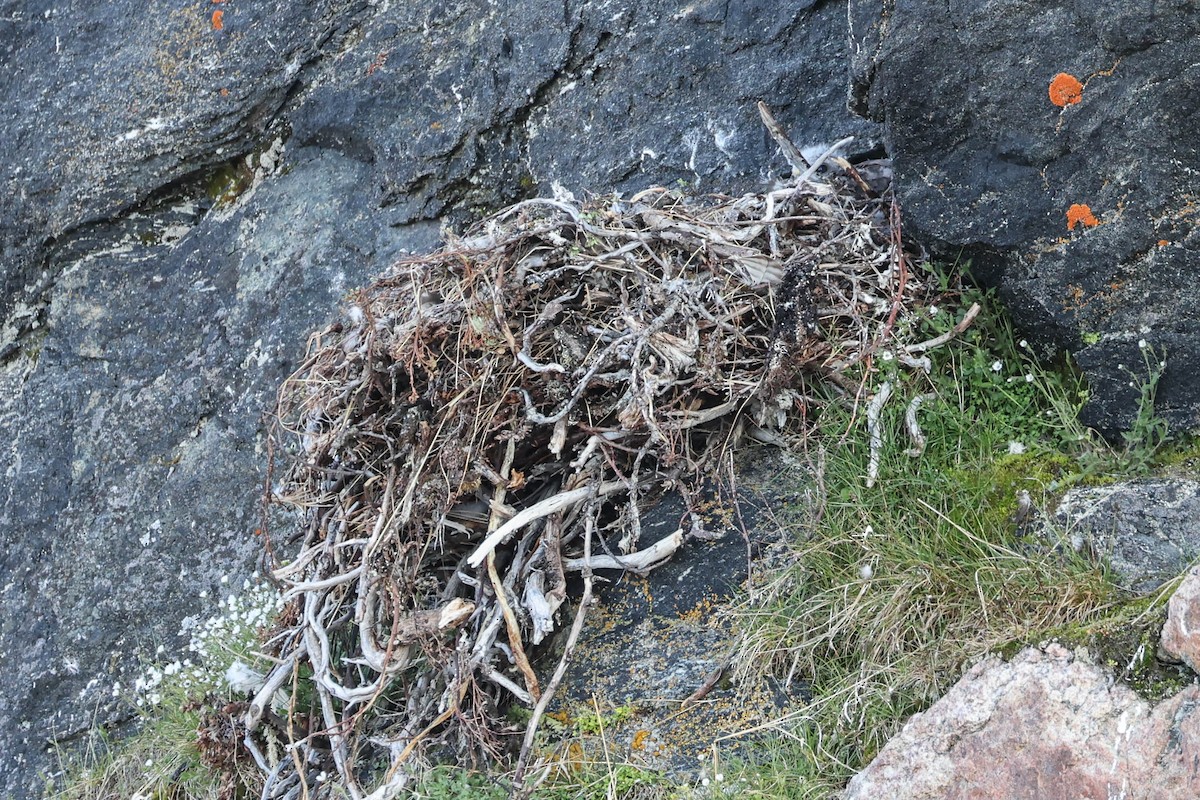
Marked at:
<point>886,355</point>
<point>1142,344</point>
<point>865,572</point>
<point>1015,448</point>
<point>224,579</point>
<point>160,650</point>
<point>1029,378</point>
<point>203,595</point>
<point>1024,344</point>
<point>149,762</point>
<point>933,311</point>
<point>322,777</point>
<point>704,782</point>
<point>720,776</point>
<point>997,366</point>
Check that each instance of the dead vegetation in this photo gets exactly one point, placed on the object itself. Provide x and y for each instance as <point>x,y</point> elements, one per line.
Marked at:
<point>492,418</point>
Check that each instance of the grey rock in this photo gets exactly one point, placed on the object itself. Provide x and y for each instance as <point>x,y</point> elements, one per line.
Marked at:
<point>1044,725</point>
<point>148,314</point>
<point>987,168</point>
<point>1148,531</point>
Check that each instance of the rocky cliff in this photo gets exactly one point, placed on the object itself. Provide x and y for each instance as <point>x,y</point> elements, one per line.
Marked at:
<point>191,189</point>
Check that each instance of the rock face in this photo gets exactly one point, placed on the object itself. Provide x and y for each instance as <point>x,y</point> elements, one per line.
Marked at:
<point>989,167</point>
<point>1043,725</point>
<point>162,259</point>
<point>1181,633</point>
<point>1146,530</point>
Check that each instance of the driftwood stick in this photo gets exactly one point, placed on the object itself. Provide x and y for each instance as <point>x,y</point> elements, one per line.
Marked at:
<point>938,341</point>
<point>875,432</point>
<point>914,429</point>
<point>640,562</point>
<point>790,151</point>
<point>545,508</point>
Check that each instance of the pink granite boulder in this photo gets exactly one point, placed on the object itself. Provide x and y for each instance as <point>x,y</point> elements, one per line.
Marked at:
<point>1042,726</point>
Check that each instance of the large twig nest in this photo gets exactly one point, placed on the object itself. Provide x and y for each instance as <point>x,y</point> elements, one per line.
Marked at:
<point>478,409</point>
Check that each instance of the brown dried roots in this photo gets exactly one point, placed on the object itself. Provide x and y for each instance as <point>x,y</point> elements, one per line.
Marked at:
<point>480,408</point>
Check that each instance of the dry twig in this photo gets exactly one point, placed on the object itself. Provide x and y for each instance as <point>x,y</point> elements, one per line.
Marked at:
<point>482,413</point>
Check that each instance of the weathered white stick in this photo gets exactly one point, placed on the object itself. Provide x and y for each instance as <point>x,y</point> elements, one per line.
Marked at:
<point>914,429</point>
<point>876,406</point>
<point>558,502</point>
<point>640,561</point>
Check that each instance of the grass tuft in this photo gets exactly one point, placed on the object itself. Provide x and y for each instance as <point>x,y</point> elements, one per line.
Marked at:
<point>890,592</point>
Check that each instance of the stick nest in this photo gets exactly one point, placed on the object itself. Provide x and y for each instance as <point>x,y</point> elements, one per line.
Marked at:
<point>489,418</point>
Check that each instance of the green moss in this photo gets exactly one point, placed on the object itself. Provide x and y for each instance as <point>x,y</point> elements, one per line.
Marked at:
<point>1012,480</point>
<point>1180,457</point>
<point>1126,642</point>
<point>590,721</point>
<point>225,183</point>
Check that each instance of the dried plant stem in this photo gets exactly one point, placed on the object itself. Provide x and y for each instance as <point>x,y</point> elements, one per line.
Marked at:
<point>561,670</point>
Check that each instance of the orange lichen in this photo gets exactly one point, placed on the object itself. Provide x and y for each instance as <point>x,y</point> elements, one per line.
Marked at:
<point>218,20</point>
<point>1080,213</point>
<point>1163,243</point>
<point>1065,90</point>
<point>639,740</point>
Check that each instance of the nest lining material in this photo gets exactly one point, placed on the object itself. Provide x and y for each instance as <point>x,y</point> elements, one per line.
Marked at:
<point>494,416</point>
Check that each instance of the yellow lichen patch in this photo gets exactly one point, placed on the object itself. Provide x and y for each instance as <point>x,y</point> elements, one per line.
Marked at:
<point>1065,90</point>
<point>1080,213</point>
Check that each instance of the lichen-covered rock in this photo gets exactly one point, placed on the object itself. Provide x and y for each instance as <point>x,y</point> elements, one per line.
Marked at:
<point>1181,633</point>
<point>1044,725</point>
<point>1148,531</point>
<point>162,260</point>
<point>1081,205</point>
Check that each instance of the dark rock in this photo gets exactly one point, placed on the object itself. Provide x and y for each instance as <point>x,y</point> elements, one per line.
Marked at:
<point>1148,531</point>
<point>987,168</point>
<point>155,286</point>
<point>660,646</point>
